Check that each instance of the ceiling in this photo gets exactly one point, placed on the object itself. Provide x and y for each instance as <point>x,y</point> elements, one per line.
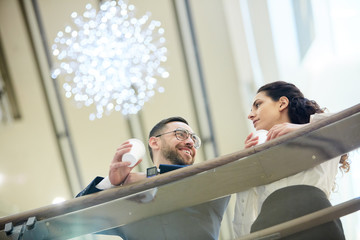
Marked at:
<point>219,53</point>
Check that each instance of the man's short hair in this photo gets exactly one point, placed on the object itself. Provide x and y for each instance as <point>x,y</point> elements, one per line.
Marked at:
<point>156,130</point>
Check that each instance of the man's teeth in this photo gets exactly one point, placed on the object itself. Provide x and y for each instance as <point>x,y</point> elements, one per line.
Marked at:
<point>188,152</point>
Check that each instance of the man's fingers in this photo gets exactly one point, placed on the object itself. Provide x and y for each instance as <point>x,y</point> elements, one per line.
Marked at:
<point>140,160</point>
<point>126,144</point>
<point>119,153</point>
<point>119,165</point>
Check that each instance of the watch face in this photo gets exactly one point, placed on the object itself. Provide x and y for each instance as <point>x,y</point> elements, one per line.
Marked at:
<point>151,172</point>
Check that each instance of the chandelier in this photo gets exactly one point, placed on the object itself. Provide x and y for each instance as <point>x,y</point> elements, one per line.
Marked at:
<point>110,59</point>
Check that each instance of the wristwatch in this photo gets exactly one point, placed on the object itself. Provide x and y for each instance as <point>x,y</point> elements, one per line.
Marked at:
<point>152,171</point>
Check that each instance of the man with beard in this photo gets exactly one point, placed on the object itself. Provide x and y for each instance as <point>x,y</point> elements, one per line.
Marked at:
<point>171,142</point>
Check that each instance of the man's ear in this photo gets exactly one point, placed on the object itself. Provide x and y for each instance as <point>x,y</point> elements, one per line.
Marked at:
<point>154,143</point>
<point>283,103</point>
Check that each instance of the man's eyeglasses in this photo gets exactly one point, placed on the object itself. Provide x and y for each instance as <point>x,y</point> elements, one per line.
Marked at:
<point>183,134</point>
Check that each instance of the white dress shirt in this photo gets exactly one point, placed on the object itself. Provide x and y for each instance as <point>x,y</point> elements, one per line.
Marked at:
<point>105,184</point>
<point>248,203</point>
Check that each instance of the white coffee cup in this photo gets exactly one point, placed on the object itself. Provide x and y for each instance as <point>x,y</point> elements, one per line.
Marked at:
<point>261,134</point>
<point>136,153</point>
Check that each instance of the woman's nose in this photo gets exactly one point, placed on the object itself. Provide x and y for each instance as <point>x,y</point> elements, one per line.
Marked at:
<point>251,115</point>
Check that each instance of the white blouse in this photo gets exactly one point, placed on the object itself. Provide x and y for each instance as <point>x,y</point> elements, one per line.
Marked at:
<point>248,203</point>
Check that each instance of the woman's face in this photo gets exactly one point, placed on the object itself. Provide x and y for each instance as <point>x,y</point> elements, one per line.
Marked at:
<point>265,112</point>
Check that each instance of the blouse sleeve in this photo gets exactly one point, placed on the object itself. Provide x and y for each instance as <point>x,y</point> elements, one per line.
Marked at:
<point>318,116</point>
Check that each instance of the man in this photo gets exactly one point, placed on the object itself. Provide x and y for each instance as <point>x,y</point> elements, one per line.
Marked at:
<point>171,142</point>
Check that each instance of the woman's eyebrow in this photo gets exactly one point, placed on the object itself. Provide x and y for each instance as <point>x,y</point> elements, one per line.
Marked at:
<point>255,102</point>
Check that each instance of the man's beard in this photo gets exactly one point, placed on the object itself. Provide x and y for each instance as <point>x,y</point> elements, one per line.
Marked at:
<point>174,157</point>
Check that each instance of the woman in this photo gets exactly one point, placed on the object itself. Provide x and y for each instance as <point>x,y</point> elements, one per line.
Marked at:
<point>280,108</point>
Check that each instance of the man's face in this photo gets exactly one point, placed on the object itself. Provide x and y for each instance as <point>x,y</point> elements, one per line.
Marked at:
<point>178,152</point>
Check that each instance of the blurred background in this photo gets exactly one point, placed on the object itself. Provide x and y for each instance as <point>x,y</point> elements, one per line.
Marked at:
<point>219,52</point>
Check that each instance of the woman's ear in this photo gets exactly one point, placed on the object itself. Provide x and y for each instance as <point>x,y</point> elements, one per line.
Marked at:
<point>284,103</point>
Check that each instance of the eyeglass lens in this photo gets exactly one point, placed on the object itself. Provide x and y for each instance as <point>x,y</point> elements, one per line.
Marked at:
<point>182,135</point>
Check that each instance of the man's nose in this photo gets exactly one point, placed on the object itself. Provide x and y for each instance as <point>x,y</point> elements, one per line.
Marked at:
<point>189,141</point>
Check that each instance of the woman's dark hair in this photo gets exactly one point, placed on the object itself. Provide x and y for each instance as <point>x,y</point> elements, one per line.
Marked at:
<point>300,108</point>
<point>156,130</point>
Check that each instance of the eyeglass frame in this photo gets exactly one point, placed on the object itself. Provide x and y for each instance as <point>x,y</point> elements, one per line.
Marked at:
<point>192,135</point>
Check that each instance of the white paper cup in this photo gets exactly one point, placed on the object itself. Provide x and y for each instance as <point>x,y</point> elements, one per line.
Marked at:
<point>261,134</point>
<point>136,153</point>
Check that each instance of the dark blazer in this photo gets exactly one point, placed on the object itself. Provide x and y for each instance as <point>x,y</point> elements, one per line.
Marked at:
<point>197,222</point>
